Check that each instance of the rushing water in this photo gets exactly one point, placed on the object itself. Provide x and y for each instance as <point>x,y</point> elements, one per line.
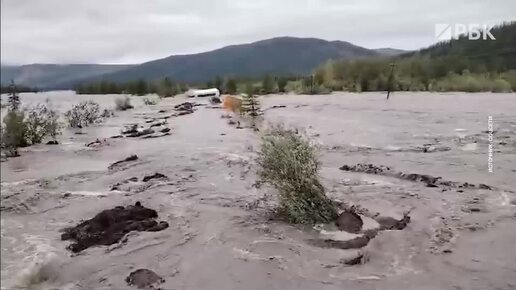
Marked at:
<point>218,238</point>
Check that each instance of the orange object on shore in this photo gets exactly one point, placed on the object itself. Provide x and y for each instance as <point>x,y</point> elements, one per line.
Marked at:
<point>232,103</point>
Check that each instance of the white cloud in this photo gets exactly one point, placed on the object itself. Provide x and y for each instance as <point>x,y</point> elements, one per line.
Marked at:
<point>130,31</point>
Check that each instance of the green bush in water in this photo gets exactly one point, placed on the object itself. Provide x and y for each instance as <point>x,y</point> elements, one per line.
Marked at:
<point>289,163</point>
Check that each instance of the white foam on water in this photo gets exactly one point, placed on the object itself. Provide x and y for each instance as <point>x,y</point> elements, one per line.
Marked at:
<point>89,193</point>
<point>39,267</point>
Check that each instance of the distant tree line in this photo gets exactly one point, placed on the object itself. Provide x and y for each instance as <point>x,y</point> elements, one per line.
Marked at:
<point>165,87</point>
<point>19,89</point>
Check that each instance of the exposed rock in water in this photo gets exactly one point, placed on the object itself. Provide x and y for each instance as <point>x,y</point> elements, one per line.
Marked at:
<point>52,142</point>
<point>110,226</point>
<point>350,222</point>
<point>118,163</point>
<point>140,133</point>
<point>390,223</point>
<point>165,130</point>
<point>117,186</point>
<point>116,136</point>
<point>154,176</point>
<point>159,123</point>
<point>360,259</point>
<point>186,106</point>
<point>144,279</point>
<point>182,113</point>
<point>133,128</point>
<point>96,143</point>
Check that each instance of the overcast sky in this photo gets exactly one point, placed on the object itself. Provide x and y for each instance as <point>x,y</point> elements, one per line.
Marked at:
<point>134,31</point>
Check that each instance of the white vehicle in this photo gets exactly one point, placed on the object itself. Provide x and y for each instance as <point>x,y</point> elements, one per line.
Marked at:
<point>214,92</point>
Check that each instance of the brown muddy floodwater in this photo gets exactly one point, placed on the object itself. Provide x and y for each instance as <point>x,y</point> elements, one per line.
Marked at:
<point>219,234</point>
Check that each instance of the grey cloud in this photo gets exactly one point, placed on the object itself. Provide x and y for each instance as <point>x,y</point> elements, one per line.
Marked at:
<point>131,31</point>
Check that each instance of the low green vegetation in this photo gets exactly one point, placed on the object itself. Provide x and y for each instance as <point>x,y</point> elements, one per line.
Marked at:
<point>288,162</point>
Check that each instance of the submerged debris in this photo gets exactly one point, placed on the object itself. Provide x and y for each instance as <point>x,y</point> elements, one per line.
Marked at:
<point>118,163</point>
<point>156,175</point>
<point>428,180</point>
<point>110,226</point>
<point>186,106</point>
<point>144,279</point>
<point>140,133</point>
<point>97,143</point>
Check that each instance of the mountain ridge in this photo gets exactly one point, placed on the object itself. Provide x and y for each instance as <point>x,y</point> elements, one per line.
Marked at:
<point>279,56</point>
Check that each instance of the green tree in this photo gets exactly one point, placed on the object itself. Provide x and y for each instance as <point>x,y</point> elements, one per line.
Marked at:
<point>268,84</point>
<point>231,87</point>
<point>14,98</point>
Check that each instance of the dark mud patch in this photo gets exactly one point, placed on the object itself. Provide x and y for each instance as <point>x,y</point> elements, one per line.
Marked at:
<point>110,226</point>
<point>428,180</point>
<point>350,222</point>
<point>144,279</point>
<point>122,162</point>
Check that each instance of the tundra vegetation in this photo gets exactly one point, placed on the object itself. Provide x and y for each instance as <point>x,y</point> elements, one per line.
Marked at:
<point>288,162</point>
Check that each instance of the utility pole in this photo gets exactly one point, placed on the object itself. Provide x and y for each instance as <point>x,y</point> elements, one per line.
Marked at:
<point>389,81</point>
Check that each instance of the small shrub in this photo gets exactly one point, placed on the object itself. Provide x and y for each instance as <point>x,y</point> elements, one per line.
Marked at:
<point>288,162</point>
<point>123,104</point>
<point>83,114</point>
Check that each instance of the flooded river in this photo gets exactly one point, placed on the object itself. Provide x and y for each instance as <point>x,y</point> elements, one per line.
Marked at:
<point>220,235</point>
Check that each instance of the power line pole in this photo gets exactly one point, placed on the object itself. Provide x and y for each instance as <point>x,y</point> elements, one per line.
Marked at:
<point>389,82</point>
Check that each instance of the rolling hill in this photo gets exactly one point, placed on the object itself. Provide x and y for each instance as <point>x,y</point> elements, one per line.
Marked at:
<point>279,56</point>
<point>52,75</point>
